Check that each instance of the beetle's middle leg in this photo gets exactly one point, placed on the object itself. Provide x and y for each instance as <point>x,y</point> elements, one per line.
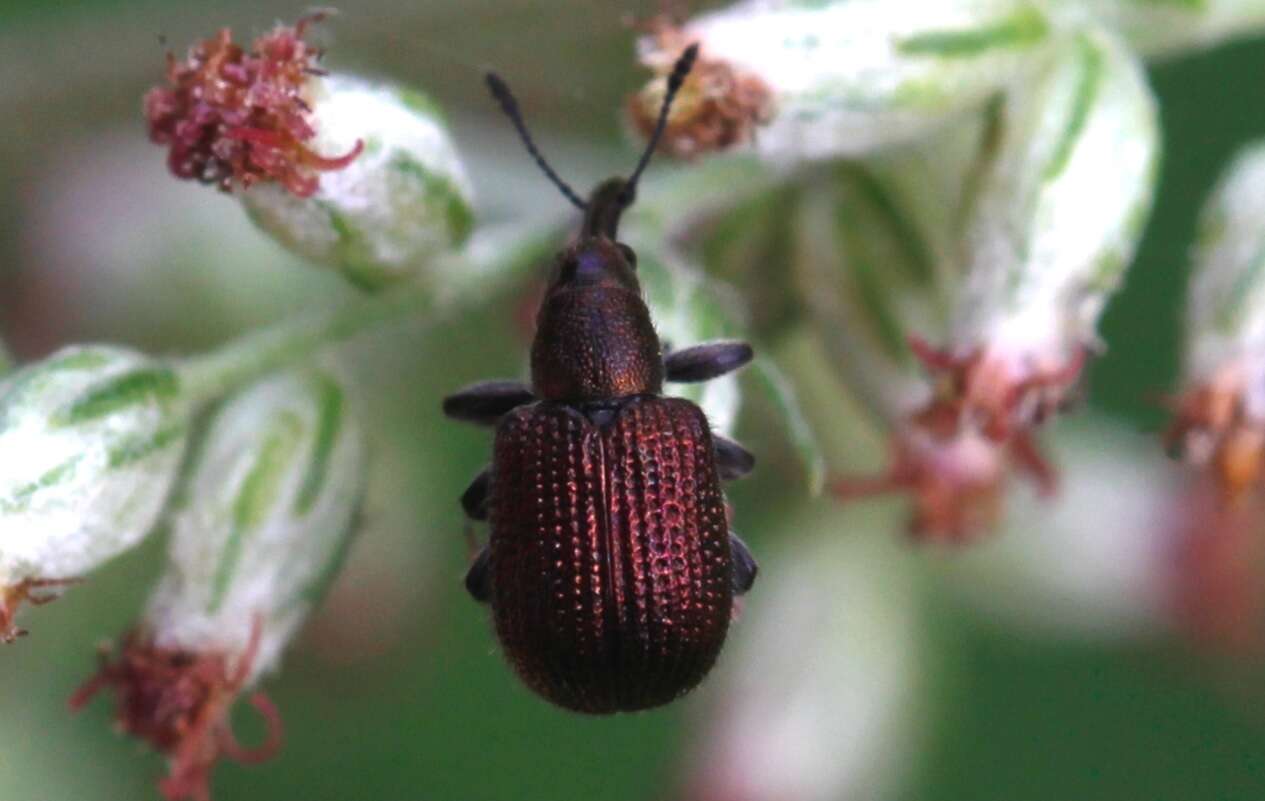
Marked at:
<point>706,361</point>
<point>487,402</point>
<point>732,460</point>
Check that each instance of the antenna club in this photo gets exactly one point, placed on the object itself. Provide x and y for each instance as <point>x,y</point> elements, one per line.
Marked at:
<point>682,68</point>
<point>500,91</point>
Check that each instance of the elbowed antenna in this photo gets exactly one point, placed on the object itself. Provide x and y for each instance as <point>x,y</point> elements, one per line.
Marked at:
<point>676,79</point>
<point>604,212</point>
<point>501,92</point>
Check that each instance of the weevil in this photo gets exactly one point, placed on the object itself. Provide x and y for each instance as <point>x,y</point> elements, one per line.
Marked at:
<point>610,567</point>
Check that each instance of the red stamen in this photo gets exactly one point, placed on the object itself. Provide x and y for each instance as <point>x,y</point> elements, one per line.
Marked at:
<point>273,740</point>
<point>932,358</point>
<point>234,118</point>
<point>179,701</point>
<point>12,598</point>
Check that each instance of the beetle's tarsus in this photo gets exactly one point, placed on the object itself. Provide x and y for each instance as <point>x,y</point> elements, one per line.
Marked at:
<point>487,402</point>
<point>706,361</point>
<point>732,460</point>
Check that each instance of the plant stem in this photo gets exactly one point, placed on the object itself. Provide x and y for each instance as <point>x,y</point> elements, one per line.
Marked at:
<point>206,377</point>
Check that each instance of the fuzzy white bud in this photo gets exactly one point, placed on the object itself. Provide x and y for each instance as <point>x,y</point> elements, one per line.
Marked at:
<point>1058,216</point>
<point>1061,210</point>
<point>1225,310</point>
<point>92,438</point>
<point>403,201</point>
<point>1220,420</point>
<point>264,520</point>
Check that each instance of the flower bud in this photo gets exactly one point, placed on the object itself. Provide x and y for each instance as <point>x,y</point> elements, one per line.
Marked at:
<point>1059,215</point>
<point>356,176</point>
<point>816,80</point>
<point>1220,423</point>
<point>258,533</point>
<point>403,201</point>
<point>92,438</point>
<point>1217,517</point>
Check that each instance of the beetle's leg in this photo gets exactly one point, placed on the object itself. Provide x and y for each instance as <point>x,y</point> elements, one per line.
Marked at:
<point>707,361</point>
<point>475,499</point>
<point>744,565</point>
<point>732,460</point>
<point>487,401</point>
<point>479,577</point>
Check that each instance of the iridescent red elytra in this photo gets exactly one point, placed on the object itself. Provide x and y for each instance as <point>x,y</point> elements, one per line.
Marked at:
<point>610,567</point>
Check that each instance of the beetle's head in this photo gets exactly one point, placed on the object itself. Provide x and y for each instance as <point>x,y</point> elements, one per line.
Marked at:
<point>597,258</point>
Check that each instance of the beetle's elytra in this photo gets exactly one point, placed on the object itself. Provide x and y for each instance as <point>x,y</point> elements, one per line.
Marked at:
<point>610,567</point>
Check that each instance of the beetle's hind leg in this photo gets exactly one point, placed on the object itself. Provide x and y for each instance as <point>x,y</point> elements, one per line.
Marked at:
<point>706,361</point>
<point>487,402</point>
<point>479,576</point>
<point>744,565</point>
<point>732,460</point>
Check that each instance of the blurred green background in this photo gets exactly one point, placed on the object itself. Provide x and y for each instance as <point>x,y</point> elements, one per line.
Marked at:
<point>396,691</point>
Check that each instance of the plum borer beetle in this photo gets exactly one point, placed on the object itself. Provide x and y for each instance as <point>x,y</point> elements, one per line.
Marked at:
<point>610,567</point>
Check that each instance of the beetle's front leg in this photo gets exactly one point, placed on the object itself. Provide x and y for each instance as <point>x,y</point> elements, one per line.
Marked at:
<point>732,460</point>
<point>479,576</point>
<point>744,565</point>
<point>474,501</point>
<point>487,402</point>
<point>707,361</point>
